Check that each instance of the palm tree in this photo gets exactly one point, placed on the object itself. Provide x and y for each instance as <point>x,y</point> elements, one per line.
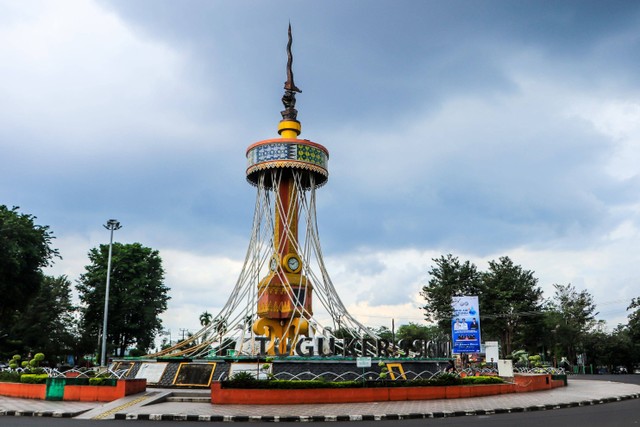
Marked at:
<point>205,320</point>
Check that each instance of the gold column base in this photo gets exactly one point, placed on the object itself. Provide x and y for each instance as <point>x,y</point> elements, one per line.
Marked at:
<point>286,330</point>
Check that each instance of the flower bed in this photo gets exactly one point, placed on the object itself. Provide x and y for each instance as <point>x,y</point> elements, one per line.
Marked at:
<point>246,381</point>
<point>69,389</point>
<point>354,394</point>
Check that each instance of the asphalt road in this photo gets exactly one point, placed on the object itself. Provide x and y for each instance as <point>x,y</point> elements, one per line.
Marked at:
<point>629,378</point>
<point>626,413</point>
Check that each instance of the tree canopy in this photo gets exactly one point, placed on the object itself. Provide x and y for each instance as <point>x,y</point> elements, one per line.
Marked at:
<point>634,319</point>
<point>448,278</point>
<point>26,249</point>
<point>137,296</point>
<point>573,315</point>
<point>47,324</point>
<point>413,331</point>
<point>634,328</point>
<point>205,318</point>
<point>510,296</point>
<point>507,294</point>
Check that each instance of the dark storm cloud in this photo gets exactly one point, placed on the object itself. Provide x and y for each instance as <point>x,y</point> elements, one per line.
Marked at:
<point>404,54</point>
<point>460,126</point>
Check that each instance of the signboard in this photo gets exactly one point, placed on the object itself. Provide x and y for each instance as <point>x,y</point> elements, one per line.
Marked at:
<point>363,362</point>
<point>505,368</point>
<point>492,351</point>
<point>465,325</point>
<point>151,371</point>
<point>194,374</point>
<point>348,347</point>
<point>122,368</point>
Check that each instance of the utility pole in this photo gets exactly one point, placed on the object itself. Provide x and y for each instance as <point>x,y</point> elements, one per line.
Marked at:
<point>111,225</point>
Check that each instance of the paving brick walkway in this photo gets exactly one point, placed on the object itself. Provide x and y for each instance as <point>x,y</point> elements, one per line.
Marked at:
<point>151,405</point>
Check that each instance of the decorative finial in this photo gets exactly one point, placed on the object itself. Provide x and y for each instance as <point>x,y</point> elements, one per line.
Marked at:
<point>290,88</point>
<point>289,84</point>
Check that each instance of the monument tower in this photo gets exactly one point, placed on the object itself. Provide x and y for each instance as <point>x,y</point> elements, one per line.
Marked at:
<point>272,304</point>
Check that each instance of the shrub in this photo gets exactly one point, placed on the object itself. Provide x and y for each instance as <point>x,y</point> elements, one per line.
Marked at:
<point>30,366</point>
<point>245,382</point>
<point>384,371</point>
<point>242,380</point>
<point>102,381</point>
<point>481,380</point>
<point>14,362</point>
<point>535,360</point>
<point>34,378</point>
<point>96,381</point>
<point>446,379</point>
<point>9,377</point>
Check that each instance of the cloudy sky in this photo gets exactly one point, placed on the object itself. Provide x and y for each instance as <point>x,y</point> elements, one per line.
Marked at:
<point>477,128</point>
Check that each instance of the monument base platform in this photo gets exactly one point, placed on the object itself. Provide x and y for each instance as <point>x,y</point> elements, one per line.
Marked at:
<point>200,373</point>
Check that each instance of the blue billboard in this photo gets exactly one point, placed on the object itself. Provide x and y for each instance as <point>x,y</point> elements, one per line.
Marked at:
<point>465,325</point>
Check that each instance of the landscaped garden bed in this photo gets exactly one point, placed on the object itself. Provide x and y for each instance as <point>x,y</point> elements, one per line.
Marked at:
<point>248,391</point>
<point>75,389</point>
<point>28,380</point>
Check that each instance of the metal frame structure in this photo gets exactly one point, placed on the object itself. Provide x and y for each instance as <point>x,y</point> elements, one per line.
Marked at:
<point>235,319</point>
<point>284,270</point>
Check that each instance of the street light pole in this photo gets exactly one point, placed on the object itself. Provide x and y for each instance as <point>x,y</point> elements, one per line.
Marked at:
<point>112,225</point>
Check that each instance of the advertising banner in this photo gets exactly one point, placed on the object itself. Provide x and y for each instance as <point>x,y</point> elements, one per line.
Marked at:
<point>465,325</point>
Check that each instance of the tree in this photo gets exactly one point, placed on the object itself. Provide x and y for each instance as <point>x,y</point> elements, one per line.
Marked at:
<point>576,315</point>
<point>47,324</point>
<point>414,331</point>
<point>205,320</point>
<point>384,333</point>
<point>449,277</point>
<point>634,328</point>
<point>509,298</point>
<point>609,349</point>
<point>634,319</point>
<point>26,249</point>
<point>137,296</point>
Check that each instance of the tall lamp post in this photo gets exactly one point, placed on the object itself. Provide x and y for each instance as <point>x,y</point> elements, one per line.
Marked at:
<point>111,225</point>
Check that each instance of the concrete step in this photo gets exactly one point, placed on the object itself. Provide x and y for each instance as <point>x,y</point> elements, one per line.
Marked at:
<point>196,396</point>
<point>192,399</point>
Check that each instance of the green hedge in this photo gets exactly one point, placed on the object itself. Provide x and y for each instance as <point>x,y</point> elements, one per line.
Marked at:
<point>443,380</point>
<point>10,377</point>
<point>16,377</point>
<point>103,381</point>
<point>34,378</point>
<point>76,381</point>
<point>481,380</point>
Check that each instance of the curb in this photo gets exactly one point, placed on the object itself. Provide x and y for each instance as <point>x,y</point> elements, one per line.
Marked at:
<point>51,414</point>
<point>369,417</point>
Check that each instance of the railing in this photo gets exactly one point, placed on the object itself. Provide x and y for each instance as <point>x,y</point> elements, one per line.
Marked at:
<point>76,373</point>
